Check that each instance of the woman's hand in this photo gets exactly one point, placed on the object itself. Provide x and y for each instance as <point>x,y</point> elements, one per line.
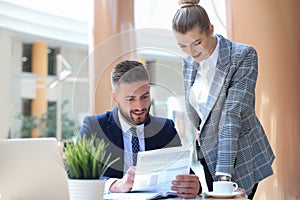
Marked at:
<point>242,191</point>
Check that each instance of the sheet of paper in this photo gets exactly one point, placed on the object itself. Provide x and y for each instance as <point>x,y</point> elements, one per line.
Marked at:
<point>130,195</point>
<point>157,168</point>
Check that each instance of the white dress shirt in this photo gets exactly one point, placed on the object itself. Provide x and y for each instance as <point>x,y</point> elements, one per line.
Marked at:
<point>128,160</point>
<point>203,82</point>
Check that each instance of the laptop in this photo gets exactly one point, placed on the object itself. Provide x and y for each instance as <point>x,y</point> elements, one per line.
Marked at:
<point>32,169</point>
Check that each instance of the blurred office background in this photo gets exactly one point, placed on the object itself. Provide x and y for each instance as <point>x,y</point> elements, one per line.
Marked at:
<point>56,57</point>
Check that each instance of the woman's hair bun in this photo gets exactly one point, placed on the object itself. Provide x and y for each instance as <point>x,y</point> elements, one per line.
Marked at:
<point>185,3</point>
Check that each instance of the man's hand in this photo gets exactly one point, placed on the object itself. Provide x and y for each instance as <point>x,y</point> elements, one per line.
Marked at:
<point>124,184</point>
<point>186,186</point>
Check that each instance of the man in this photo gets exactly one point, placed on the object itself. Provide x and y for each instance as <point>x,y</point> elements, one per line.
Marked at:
<point>131,93</point>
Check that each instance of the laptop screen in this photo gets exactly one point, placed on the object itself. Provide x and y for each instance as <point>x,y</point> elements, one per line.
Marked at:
<point>32,169</point>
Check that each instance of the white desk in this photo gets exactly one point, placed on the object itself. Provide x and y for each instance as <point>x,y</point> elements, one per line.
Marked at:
<point>141,196</point>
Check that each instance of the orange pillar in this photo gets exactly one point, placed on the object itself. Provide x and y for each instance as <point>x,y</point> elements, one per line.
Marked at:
<point>272,27</point>
<point>113,25</point>
<point>40,68</point>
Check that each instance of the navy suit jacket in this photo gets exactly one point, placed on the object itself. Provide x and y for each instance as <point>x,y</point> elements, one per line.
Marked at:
<point>158,132</point>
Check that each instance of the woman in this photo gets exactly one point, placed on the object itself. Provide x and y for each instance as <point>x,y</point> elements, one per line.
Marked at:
<point>220,78</point>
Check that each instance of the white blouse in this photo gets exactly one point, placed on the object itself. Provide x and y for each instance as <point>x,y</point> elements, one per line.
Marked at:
<point>203,81</point>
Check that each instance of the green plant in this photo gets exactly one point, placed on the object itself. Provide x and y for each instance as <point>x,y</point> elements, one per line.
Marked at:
<point>86,158</point>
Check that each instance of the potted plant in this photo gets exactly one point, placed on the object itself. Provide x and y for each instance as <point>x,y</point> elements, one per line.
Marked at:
<point>86,162</point>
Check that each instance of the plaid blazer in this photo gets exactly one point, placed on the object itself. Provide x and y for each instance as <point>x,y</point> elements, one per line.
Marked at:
<point>232,139</point>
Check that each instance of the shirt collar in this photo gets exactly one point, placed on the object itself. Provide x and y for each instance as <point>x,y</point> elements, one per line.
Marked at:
<point>125,126</point>
<point>213,58</point>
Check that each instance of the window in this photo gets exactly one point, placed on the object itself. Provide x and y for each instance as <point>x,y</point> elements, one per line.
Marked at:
<point>28,121</point>
<point>46,123</point>
<point>27,59</point>
<point>50,119</point>
<point>52,61</point>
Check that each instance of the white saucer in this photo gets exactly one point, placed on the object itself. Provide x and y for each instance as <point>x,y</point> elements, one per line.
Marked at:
<point>220,195</point>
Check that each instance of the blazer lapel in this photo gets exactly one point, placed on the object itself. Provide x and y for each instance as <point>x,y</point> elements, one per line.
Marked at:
<point>222,68</point>
<point>114,132</point>
<point>149,132</point>
<point>190,68</point>
<point>189,72</point>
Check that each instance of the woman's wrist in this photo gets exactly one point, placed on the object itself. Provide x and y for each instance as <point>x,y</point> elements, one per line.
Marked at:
<point>224,178</point>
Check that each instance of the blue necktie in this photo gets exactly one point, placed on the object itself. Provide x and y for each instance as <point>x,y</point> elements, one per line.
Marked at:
<point>135,145</point>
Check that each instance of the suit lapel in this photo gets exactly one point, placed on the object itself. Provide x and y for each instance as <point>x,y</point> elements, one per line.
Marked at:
<point>223,65</point>
<point>189,72</point>
<point>113,129</point>
<point>115,136</point>
<point>190,68</point>
<point>149,132</point>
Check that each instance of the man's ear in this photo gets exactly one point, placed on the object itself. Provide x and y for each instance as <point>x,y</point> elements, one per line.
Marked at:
<point>114,97</point>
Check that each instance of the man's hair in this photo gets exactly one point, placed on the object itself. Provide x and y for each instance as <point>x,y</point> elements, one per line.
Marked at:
<point>128,72</point>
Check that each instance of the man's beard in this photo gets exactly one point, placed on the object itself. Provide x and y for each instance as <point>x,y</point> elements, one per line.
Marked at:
<point>137,121</point>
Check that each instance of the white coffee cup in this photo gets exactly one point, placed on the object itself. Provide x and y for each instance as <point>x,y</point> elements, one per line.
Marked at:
<point>224,187</point>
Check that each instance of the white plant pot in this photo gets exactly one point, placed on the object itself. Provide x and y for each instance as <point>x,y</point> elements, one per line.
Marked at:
<point>86,189</point>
